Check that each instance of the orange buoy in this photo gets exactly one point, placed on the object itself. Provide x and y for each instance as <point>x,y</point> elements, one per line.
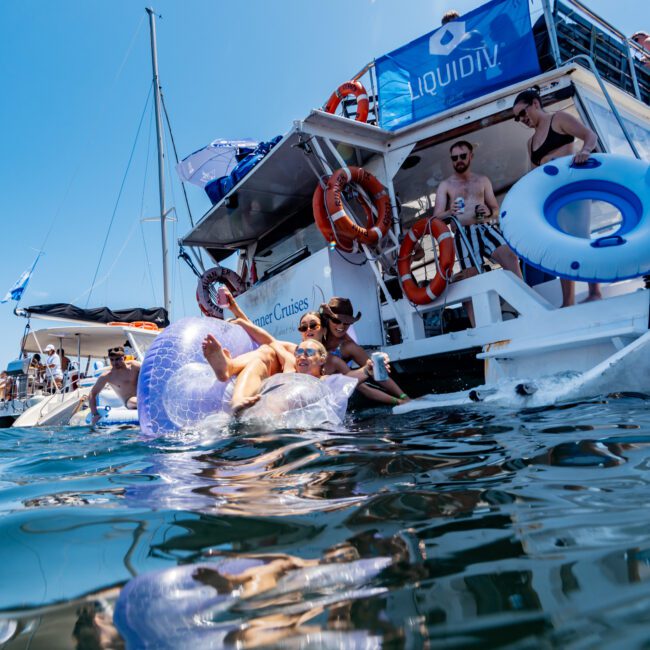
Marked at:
<point>440,232</point>
<point>345,90</point>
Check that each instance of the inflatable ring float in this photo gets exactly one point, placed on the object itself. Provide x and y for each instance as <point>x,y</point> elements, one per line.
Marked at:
<point>140,324</point>
<point>216,274</point>
<point>345,90</point>
<point>446,256</point>
<point>345,226</point>
<point>545,206</point>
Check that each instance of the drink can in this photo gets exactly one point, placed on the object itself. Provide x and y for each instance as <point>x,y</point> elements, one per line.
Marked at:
<point>460,205</point>
<point>379,372</point>
<point>222,299</point>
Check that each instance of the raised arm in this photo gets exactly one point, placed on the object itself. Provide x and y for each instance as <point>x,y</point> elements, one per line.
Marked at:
<point>258,334</point>
<point>234,307</point>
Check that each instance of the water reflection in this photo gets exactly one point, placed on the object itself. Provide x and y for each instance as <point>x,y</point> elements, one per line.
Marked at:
<point>477,528</point>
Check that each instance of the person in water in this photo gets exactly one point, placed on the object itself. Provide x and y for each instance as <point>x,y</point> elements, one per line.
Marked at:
<point>337,316</point>
<point>253,367</point>
<point>553,136</point>
<point>123,377</point>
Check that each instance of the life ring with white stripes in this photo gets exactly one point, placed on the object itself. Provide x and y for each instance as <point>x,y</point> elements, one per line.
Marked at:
<point>344,90</point>
<point>446,256</point>
<point>221,275</point>
<point>343,224</point>
<point>325,225</point>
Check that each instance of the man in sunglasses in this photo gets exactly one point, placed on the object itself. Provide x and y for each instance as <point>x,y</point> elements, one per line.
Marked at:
<point>122,376</point>
<point>476,213</point>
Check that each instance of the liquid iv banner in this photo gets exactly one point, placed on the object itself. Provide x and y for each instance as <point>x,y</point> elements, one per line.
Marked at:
<point>482,51</point>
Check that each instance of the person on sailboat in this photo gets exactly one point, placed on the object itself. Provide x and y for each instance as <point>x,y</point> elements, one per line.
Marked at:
<point>123,377</point>
<point>54,373</point>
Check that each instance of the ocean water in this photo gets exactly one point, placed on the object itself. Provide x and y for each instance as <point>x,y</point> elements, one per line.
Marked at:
<point>461,528</point>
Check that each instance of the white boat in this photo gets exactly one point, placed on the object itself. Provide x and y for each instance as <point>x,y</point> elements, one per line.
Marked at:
<point>524,350</point>
<point>89,345</point>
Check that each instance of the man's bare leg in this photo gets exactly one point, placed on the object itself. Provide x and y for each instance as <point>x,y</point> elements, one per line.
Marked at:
<point>505,256</point>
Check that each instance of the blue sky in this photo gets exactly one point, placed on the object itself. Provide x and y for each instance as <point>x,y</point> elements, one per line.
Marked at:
<point>76,75</point>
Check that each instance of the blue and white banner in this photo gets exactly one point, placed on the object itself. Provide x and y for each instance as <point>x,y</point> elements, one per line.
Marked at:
<point>16,292</point>
<point>487,49</point>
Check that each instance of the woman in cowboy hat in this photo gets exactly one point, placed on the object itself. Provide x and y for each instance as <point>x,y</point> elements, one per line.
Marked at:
<point>337,316</point>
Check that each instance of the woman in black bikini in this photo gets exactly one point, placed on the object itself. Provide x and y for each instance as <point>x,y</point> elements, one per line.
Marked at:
<point>554,137</point>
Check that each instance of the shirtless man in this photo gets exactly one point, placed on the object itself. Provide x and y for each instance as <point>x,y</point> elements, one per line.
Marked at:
<point>123,377</point>
<point>478,220</point>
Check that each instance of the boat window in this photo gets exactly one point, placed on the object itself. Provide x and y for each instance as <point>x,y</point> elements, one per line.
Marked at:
<point>610,130</point>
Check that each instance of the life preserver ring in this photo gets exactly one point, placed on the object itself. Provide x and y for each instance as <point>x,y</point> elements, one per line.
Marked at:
<point>141,324</point>
<point>440,232</point>
<point>325,225</point>
<point>536,227</point>
<point>344,90</point>
<point>345,227</point>
<point>216,274</point>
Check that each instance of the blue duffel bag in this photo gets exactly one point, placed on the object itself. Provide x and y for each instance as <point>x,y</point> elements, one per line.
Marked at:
<point>245,166</point>
<point>218,188</point>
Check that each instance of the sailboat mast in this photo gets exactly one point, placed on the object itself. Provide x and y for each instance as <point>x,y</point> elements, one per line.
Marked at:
<point>161,165</point>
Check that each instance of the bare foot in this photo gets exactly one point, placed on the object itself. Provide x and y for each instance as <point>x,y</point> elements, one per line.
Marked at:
<point>217,357</point>
<point>246,402</point>
<point>591,297</point>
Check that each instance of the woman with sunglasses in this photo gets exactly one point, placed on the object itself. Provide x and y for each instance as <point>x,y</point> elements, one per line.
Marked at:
<point>337,316</point>
<point>553,136</point>
<point>254,370</point>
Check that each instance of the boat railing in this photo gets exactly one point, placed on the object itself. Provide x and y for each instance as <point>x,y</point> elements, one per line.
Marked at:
<point>575,30</point>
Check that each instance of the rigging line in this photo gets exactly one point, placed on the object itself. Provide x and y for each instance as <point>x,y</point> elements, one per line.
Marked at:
<point>171,136</point>
<point>144,187</point>
<point>174,223</point>
<point>93,134</point>
<point>119,195</point>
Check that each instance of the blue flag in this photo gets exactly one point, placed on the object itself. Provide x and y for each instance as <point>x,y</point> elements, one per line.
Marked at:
<point>16,292</point>
<point>487,49</point>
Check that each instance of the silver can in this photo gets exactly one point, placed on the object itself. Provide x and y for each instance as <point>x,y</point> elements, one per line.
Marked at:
<point>459,202</point>
<point>379,371</point>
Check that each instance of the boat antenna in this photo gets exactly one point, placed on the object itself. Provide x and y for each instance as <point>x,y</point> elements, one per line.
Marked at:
<point>161,167</point>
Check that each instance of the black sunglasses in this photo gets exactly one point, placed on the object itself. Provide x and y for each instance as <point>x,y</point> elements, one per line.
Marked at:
<point>521,114</point>
<point>337,321</point>
<point>462,156</point>
<point>111,358</point>
<point>309,352</point>
<point>310,326</point>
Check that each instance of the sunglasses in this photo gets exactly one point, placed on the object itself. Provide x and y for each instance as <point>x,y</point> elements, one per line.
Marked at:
<point>115,358</point>
<point>337,321</point>
<point>461,156</point>
<point>309,326</point>
<point>305,352</point>
<point>521,114</point>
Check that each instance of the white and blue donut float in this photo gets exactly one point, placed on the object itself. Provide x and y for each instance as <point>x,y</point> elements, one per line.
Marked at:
<point>534,205</point>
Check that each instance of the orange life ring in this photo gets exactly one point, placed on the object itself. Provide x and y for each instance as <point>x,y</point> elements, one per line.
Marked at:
<point>344,90</point>
<point>343,224</point>
<point>216,274</point>
<point>446,256</point>
<point>325,225</point>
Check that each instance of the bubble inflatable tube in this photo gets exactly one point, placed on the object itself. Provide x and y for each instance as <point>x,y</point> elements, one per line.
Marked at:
<point>177,388</point>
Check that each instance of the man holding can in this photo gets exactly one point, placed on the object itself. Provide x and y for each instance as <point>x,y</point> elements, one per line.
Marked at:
<point>469,198</point>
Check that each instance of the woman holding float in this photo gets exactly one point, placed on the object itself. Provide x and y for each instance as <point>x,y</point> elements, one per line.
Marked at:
<point>253,367</point>
<point>553,137</point>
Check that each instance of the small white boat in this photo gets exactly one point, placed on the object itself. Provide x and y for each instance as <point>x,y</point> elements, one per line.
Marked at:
<point>89,344</point>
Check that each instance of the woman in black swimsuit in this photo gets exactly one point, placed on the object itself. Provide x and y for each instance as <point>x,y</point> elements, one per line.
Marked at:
<point>554,135</point>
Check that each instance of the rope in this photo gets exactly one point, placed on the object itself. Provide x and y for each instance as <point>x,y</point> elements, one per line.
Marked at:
<point>119,195</point>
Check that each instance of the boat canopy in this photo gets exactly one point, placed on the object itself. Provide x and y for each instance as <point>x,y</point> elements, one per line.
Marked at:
<point>89,340</point>
<point>67,312</point>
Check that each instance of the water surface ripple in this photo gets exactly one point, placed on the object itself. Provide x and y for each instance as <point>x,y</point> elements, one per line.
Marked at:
<point>456,528</point>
